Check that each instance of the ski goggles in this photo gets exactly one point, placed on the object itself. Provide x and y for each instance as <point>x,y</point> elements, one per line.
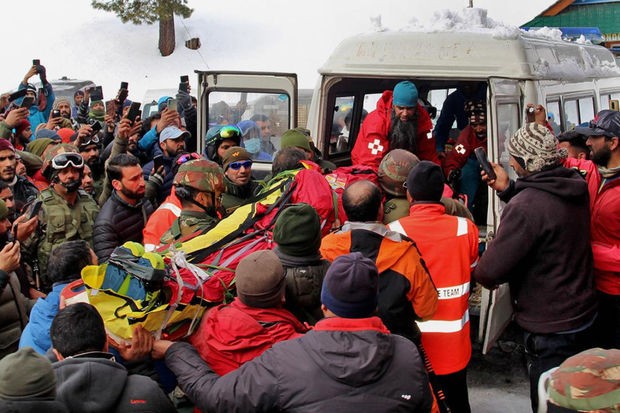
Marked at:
<point>187,157</point>
<point>64,160</point>
<point>226,132</point>
<point>235,166</point>
<point>91,140</point>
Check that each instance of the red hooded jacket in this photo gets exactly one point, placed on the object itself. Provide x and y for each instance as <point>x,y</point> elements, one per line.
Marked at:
<point>232,334</point>
<point>372,141</point>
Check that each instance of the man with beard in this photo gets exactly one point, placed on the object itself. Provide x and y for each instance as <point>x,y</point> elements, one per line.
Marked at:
<point>87,181</point>
<point>124,214</point>
<point>604,182</point>
<point>171,143</point>
<point>64,107</point>
<point>90,147</point>
<point>240,186</point>
<point>399,122</point>
<point>69,212</point>
<point>23,190</point>
<point>199,184</point>
<point>542,249</point>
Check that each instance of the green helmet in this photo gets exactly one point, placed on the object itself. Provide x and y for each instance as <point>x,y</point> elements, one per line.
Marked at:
<point>201,175</point>
<point>47,169</point>
<point>393,171</point>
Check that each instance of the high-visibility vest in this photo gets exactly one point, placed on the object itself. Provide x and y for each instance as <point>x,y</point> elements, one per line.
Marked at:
<point>449,247</point>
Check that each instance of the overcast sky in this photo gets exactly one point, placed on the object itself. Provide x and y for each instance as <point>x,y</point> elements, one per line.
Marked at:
<point>74,40</point>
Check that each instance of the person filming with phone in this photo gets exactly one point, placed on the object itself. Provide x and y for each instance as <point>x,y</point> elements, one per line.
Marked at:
<point>542,249</point>
<point>40,105</point>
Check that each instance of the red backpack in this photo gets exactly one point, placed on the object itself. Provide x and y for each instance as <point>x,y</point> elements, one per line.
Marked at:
<point>343,176</point>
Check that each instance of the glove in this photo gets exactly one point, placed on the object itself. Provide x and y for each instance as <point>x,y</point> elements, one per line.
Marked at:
<point>42,74</point>
<point>454,176</point>
<point>184,100</point>
<point>156,179</point>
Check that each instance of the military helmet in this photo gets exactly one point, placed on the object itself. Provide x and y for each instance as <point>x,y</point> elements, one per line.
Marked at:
<point>47,169</point>
<point>200,174</point>
<point>393,171</point>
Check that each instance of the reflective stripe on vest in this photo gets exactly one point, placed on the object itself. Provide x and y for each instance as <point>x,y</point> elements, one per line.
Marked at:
<point>461,228</point>
<point>455,291</point>
<point>171,207</point>
<point>444,326</point>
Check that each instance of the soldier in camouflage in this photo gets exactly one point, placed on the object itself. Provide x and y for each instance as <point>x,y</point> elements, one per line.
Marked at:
<point>67,213</point>
<point>199,184</point>
<point>392,173</point>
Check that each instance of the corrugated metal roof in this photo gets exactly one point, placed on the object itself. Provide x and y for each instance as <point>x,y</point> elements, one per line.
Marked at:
<point>604,15</point>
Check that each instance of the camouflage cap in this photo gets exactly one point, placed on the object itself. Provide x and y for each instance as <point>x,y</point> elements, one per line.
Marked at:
<point>57,149</point>
<point>202,175</point>
<point>587,381</point>
<point>394,169</point>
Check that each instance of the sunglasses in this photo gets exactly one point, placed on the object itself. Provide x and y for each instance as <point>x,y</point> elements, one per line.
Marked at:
<point>63,160</point>
<point>593,125</point>
<point>240,164</point>
<point>187,157</point>
<point>229,132</point>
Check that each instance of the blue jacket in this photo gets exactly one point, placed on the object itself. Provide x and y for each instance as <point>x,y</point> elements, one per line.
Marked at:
<point>36,116</point>
<point>37,331</point>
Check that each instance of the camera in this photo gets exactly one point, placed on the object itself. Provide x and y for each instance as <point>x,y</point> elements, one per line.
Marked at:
<point>55,113</point>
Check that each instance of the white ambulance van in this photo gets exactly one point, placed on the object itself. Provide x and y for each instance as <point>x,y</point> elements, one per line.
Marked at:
<point>574,81</point>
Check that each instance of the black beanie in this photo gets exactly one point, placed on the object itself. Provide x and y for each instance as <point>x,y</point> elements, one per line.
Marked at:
<point>297,230</point>
<point>425,182</point>
<point>350,288</point>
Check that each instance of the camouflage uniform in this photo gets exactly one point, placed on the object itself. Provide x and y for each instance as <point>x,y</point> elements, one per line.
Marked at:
<point>188,223</point>
<point>59,221</point>
<point>393,171</point>
<point>201,175</point>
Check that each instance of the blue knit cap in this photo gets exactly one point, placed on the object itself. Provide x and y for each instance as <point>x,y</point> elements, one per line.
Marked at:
<point>350,287</point>
<point>405,94</point>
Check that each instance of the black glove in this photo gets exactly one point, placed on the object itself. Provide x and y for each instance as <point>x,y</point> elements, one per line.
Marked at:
<point>42,74</point>
<point>184,100</point>
<point>454,176</point>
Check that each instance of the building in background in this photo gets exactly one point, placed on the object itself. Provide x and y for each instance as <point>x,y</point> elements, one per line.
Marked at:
<point>597,20</point>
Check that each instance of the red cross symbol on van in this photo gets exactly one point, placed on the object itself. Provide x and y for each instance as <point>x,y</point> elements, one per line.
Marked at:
<point>375,147</point>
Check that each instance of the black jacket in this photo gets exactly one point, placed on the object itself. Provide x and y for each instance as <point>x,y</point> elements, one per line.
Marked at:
<point>99,384</point>
<point>117,223</point>
<point>24,191</point>
<point>343,365</point>
<point>542,249</point>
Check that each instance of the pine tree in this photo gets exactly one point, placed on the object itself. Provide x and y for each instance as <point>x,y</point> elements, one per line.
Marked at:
<point>149,12</point>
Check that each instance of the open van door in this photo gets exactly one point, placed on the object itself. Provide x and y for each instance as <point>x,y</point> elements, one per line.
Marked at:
<point>504,105</point>
<point>229,97</point>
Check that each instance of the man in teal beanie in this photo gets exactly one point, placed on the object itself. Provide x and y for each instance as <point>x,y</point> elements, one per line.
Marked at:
<point>398,122</point>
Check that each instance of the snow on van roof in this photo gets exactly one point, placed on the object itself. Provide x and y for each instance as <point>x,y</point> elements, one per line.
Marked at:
<point>483,48</point>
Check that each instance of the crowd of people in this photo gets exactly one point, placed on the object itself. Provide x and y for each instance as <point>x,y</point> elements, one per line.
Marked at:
<point>361,301</point>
